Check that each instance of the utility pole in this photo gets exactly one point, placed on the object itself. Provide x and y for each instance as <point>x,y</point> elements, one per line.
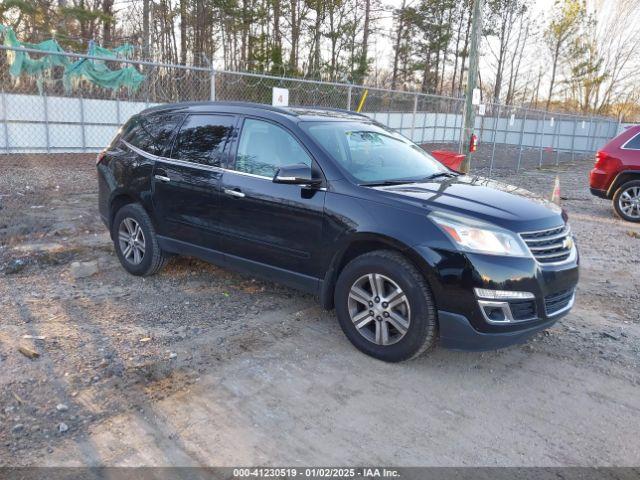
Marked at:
<point>472,74</point>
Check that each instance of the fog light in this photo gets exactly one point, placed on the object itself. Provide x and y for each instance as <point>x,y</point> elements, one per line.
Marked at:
<point>502,294</point>
<point>495,312</point>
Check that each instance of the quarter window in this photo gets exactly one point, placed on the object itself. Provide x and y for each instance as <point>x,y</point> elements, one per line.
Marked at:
<point>151,133</point>
<point>265,147</point>
<point>202,139</point>
<point>634,143</point>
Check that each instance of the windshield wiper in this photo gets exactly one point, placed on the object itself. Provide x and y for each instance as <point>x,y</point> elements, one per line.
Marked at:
<point>385,183</point>
<point>441,174</point>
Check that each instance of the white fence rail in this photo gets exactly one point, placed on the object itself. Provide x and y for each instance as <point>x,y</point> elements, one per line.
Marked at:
<point>41,123</point>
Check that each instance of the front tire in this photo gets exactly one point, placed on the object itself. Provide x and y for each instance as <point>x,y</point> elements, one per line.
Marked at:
<point>136,242</point>
<point>385,306</point>
<point>626,201</point>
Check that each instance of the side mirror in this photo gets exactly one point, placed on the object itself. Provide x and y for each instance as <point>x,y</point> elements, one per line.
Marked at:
<point>297,174</point>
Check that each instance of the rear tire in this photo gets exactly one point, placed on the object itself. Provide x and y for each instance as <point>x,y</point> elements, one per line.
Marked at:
<point>401,328</point>
<point>626,201</point>
<point>136,242</point>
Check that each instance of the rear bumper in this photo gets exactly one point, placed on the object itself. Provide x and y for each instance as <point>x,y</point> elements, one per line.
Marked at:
<point>599,180</point>
<point>456,333</point>
<point>599,193</point>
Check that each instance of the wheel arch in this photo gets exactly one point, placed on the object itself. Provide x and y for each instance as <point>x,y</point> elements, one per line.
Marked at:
<point>361,243</point>
<point>119,199</point>
<point>622,178</point>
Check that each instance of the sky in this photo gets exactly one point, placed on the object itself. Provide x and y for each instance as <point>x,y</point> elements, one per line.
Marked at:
<point>383,49</point>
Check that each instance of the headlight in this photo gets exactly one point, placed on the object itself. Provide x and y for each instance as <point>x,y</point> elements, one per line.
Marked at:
<point>479,237</point>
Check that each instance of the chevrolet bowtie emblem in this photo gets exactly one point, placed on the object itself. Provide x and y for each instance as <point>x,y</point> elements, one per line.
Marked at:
<point>567,243</point>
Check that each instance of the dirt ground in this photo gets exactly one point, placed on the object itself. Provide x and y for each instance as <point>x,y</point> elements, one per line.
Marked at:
<point>202,366</point>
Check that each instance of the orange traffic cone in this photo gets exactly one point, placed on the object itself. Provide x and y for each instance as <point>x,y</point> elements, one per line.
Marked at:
<point>555,196</point>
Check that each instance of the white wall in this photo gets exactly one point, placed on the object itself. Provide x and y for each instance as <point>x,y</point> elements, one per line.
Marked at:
<point>565,134</point>
<point>60,124</point>
<point>34,123</point>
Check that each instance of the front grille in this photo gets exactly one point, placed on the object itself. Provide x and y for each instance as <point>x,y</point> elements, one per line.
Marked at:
<point>550,246</point>
<point>556,302</point>
<point>523,309</point>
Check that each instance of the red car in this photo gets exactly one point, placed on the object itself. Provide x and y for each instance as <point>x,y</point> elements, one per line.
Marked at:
<point>616,174</point>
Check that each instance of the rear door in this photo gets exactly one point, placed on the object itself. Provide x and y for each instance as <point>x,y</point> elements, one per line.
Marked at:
<point>275,224</point>
<point>186,193</point>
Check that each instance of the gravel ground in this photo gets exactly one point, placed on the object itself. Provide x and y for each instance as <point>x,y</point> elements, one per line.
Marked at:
<point>198,365</point>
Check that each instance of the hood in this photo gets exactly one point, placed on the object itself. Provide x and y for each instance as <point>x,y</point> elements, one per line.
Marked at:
<point>505,205</point>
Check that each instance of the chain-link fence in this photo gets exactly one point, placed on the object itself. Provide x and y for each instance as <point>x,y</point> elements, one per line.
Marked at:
<point>41,116</point>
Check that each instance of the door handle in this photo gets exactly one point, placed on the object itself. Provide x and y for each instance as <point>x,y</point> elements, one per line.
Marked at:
<point>162,178</point>
<point>234,193</point>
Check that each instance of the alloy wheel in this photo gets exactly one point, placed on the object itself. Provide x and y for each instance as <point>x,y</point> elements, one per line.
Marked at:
<point>379,309</point>
<point>629,202</point>
<point>131,240</point>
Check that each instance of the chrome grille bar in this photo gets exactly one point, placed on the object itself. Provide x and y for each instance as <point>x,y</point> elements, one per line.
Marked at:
<point>552,245</point>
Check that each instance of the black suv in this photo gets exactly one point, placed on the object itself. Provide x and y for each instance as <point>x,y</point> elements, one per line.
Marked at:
<point>334,204</point>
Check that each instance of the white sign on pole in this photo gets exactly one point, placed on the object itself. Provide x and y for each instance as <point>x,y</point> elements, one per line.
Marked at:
<point>482,109</point>
<point>551,122</point>
<point>475,98</point>
<point>584,124</point>
<point>512,119</point>
<point>280,97</point>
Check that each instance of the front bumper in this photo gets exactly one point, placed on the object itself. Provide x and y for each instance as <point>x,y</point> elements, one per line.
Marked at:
<point>456,333</point>
<point>462,323</point>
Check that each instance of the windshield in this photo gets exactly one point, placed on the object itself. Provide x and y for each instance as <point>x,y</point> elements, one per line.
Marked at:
<point>373,154</point>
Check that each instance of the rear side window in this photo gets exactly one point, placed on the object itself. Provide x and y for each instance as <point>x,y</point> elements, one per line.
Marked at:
<point>634,143</point>
<point>202,138</point>
<point>151,133</point>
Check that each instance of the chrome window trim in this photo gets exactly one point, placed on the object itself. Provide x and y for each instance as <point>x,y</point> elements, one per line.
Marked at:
<point>173,161</point>
<point>247,174</point>
<point>624,146</point>
<point>185,163</point>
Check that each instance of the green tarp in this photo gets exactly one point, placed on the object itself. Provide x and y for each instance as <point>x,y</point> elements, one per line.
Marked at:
<point>94,71</point>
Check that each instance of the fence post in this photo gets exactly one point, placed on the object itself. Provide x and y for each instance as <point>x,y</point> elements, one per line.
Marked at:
<point>589,138</point>
<point>5,121</point>
<point>212,92</point>
<point>495,137</point>
<point>349,97</point>
<point>524,121</point>
<point>556,141</point>
<point>573,138</point>
<point>415,109</point>
<point>461,131</point>
<point>435,123</point>
<point>84,141</point>
<point>544,119</point>
<point>424,125</point>
<point>46,121</point>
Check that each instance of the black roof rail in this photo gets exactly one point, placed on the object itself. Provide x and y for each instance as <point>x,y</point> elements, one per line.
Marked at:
<point>329,109</point>
<point>181,105</point>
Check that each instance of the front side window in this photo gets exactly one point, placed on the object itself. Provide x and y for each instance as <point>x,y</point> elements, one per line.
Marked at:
<point>265,147</point>
<point>202,138</point>
<point>372,154</point>
<point>151,133</point>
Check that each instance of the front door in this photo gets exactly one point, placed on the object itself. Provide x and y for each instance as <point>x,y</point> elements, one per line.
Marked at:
<point>186,193</point>
<point>274,224</point>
